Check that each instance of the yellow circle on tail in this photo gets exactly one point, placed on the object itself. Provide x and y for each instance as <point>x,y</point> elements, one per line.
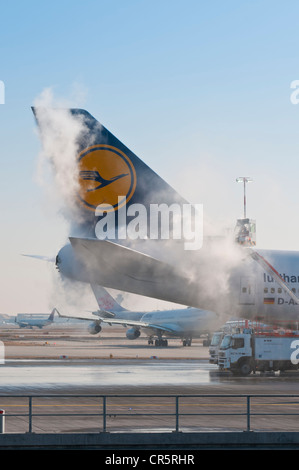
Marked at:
<point>105,174</point>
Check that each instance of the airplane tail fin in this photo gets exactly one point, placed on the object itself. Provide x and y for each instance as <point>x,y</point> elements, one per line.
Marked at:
<point>51,317</point>
<point>108,175</point>
<point>105,301</point>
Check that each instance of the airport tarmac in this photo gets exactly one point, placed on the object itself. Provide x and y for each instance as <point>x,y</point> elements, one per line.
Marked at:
<point>45,358</point>
<point>72,342</point>
<point>64,358</point>
<point>67,360</point>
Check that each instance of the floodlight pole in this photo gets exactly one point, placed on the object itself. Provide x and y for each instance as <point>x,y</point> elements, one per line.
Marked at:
<point>244,180</point>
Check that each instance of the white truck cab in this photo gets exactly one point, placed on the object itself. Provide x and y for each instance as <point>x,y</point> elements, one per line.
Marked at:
<point>236,352</point>
<point>245,352</point>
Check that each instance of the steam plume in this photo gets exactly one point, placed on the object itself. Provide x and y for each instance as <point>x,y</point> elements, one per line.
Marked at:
<point>57,169</point>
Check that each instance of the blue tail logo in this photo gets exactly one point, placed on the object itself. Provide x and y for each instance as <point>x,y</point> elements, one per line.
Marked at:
<point>95,176</point>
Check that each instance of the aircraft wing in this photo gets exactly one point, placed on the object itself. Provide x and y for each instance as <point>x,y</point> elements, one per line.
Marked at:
<point>120,321</point>
<point>141,324</point>
<point>76,317</point>
<point>112,265</point>
<point>50,259</point>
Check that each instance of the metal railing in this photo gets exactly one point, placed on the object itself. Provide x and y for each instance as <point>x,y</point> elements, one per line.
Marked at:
<point>177,403</point>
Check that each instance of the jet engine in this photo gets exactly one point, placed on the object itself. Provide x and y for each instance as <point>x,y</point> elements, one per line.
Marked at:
<point>94,328</point>
<point>132,333</point>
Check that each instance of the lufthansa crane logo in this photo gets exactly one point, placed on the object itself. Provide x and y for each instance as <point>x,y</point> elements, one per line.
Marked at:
<point>105,174</point>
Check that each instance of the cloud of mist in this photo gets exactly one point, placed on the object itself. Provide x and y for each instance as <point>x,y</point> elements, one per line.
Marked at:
<point>213,267</point>
<point>57,174</point>
<point>57,169</point>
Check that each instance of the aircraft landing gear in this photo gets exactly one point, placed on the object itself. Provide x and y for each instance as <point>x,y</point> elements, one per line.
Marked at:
<point>161,342</point>
<point>187,342</point>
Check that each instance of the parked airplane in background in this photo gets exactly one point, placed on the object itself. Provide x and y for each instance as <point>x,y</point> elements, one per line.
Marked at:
<point>185,323</point>
<point>34,319</point>
<point>222,277</point>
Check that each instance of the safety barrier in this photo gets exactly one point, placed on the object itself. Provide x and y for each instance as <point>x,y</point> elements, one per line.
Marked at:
<point>121,409</point>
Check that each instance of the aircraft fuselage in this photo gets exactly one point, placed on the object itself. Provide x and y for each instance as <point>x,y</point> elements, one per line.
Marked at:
<point>251,292</point>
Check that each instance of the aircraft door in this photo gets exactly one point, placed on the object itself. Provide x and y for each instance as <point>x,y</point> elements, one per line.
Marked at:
<point>247,291</point>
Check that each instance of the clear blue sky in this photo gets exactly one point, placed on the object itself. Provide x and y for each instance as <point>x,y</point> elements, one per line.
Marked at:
<point>196,89</point>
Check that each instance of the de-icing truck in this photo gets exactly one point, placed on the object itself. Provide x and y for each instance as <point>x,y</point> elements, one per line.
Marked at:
<point>231,326</point>
<point>243,353</point>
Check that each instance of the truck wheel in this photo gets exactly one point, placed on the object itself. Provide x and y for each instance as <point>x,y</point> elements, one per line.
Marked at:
<point>245,368</point>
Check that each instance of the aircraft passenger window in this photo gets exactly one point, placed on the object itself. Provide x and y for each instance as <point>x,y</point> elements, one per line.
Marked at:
<point>294,290</point>
<point>272,290</point>
<point>244,290</point>
<point>279,290</point>
<point>266,290</point>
